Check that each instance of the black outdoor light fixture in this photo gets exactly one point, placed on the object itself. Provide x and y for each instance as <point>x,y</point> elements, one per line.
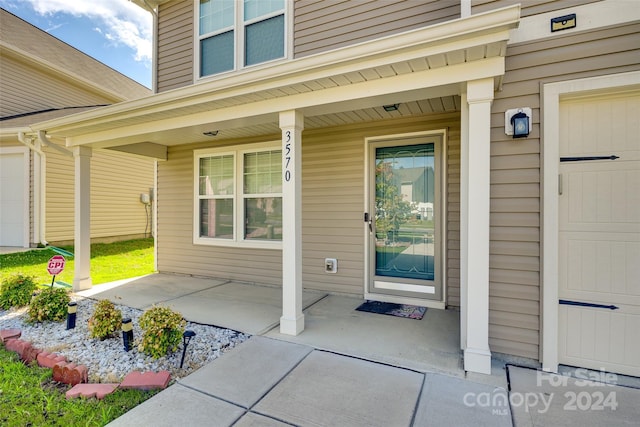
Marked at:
<point>72,308</point>
<point>210,133</point>
<point>186,337</point>
<point>127,333</point>
<point>391,107</point>
<point>520,123</point>
<point>517,122</point>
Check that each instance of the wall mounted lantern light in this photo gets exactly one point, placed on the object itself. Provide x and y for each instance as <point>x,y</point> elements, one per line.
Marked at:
<point>517,122</point>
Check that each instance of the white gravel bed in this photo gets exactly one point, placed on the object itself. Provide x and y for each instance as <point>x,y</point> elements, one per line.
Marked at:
<point>106,360</point>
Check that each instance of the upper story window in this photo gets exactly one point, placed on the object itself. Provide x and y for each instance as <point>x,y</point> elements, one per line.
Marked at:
<point>233,34</point>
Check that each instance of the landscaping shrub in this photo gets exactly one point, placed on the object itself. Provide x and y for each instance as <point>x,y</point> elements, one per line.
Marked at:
<point>105,321</point>
<point>49,304</point>
<point>162,330</point>
<point>16,291</point>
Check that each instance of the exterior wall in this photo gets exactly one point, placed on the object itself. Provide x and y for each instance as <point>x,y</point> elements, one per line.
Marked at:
<point>117,180</point>
<point>175,45</point>
<point>319,26</point>
<point>325,25</point>
<point>332,205</point>
<point>515,271</point>
<point>26,89</point>
<point>529,7</point>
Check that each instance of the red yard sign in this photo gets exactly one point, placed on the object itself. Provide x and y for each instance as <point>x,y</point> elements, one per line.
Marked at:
<point>56,265</point>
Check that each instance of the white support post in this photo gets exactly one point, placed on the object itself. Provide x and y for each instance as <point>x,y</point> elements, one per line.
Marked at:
<point>82,237</point>
<point>474,215</point>
<point>292,320</point>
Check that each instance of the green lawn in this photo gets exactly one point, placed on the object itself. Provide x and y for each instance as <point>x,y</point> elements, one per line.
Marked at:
<point>29,397</point>
<point>109,262</point>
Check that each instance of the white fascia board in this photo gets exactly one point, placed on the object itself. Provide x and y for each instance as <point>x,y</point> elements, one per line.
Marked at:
<point>588,17</point>
<point>444,81</point>
<point>448,36</point>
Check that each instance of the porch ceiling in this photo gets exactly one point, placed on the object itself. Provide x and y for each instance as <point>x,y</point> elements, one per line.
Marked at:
<point>422,70</point>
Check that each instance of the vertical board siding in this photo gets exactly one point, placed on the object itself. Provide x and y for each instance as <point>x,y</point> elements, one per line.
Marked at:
<point>321,25</point>
<point>332,206</point>
<point>175,45</point>
<point>117,180</point>
<point>515,172</point>
<point>529,7</point>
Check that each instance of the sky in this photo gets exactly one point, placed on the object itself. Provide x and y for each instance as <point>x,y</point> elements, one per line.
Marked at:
<point>115,32</point>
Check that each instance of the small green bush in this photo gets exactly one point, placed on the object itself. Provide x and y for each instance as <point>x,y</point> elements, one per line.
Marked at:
<point>106,320</point>
<point>49,304</point>
<point>162,330</point>
<point>16,291</point>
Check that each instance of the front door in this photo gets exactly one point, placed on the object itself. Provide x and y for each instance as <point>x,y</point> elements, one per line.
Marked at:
<point>404,219</point>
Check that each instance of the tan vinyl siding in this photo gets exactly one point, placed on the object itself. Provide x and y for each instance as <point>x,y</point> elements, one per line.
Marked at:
<point>26,89</point>
<point>117,180</point>
<point>176,251</point>
<point>529,7</point>
<point>321,25</point>
<point>175,45</point>
<point>332,208</point>
<point>515,173</point>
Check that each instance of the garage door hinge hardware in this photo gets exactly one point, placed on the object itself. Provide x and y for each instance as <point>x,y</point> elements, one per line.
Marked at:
<point>583,159</point>
<point>587,304</point>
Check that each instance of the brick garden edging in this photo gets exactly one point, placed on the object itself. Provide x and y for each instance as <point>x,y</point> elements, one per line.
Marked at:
<point>77,375</point>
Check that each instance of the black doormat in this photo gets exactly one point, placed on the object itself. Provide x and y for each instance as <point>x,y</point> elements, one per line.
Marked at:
<point>391,309</point>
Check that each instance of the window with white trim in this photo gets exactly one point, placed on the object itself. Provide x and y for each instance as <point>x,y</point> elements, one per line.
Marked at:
<point>233,34</point>
<point>238,197</point>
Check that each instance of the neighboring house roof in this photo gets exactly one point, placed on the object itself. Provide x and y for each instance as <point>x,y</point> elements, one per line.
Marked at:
<point>27,43</point>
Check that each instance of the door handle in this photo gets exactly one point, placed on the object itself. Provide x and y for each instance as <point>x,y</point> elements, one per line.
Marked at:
<point>368,220</point>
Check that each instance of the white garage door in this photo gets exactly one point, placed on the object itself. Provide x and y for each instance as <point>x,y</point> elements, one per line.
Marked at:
<point>599,242</point>
<point>14,211</point>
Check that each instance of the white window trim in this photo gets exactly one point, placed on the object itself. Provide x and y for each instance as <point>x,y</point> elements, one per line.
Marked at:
<point>239,54</point>
<point>239,197</point>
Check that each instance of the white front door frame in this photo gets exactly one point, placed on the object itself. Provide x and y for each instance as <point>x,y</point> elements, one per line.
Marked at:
<point>552,94</point>
<point>442,213</point>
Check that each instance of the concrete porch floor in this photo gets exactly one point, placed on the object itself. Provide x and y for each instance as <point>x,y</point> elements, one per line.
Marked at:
<point>331,322</point>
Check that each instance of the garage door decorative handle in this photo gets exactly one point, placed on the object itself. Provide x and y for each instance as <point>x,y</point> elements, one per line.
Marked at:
<point>583,159</point>
<point>587,304</point>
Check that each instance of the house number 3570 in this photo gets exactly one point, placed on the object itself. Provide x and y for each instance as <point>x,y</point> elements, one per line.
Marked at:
<point>287,156</point>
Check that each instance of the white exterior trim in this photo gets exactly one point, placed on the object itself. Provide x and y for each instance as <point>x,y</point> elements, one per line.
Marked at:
<point>27,173</point>
<point>292,320</point>
<point>475,153</point>
<point>82,220</point>
<point>588,17</point>
<point>552,95</point>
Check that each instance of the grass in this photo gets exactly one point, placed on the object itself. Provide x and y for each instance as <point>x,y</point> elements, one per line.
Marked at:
<point>109,262</point>
<point>29,397</point>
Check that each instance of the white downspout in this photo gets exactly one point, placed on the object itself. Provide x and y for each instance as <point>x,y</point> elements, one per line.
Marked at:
<point>40,190</point>
<point>42,137</point>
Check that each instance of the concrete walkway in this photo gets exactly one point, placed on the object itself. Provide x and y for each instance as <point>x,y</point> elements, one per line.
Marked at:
<point>347,368</point>
<point>267,382</point>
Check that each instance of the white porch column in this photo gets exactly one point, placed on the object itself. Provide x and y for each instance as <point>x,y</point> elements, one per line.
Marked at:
<point>474,230</point>
<point>82,237</point>
<point>292,320</point>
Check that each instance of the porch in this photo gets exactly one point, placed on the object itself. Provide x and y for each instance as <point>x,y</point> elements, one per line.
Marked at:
<point>331,321</point>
